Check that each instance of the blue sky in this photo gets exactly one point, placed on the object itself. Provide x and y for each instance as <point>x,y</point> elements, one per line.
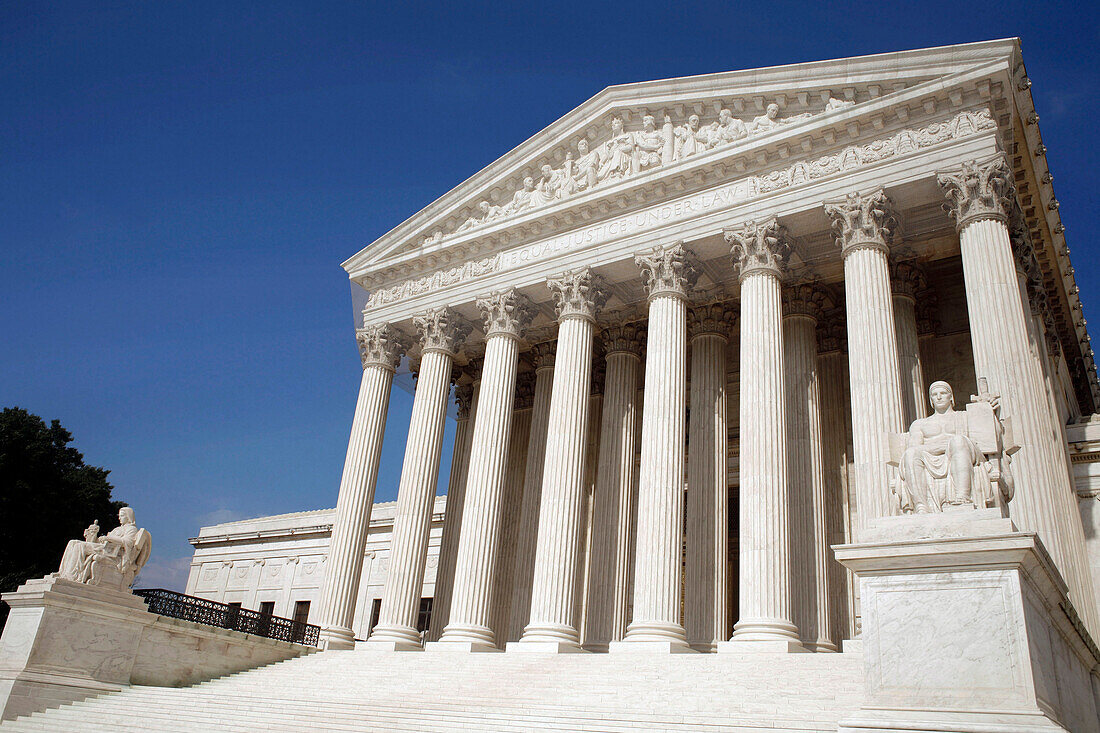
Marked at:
<point>180,181</point>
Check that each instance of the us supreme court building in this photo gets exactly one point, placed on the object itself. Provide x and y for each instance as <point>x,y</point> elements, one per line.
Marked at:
<point>688,328</point>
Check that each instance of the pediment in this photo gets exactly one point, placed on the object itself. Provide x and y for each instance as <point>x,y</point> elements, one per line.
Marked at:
<point>633,142</point>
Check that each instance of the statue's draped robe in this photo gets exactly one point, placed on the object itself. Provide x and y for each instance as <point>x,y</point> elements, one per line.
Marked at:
<point>76,563</point>
<point>926,479</point>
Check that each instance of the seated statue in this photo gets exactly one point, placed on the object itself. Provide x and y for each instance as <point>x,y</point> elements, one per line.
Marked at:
<point>113,560</point>
<point>954,459</point>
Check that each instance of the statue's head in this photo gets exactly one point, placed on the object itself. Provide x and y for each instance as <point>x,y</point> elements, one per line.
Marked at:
<point>582,147</point>
<point>126,515</point>
<point>528,183</point>
<point>616,125</point>
<point>773,110</point>
<point>693,122</point>
<point>484,206</point>
<point>546,171</point>
<point>940,396</point>
<point>725,115</point>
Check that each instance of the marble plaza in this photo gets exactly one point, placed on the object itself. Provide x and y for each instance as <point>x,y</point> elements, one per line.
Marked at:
<point>775,412</point>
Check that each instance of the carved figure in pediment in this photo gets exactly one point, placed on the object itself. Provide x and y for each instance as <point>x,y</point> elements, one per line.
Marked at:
<point>488,213</point>
<point>954,459</point>
<point>726,130</point>
<point>585,171</point>
<point>767,121</point>
<point>834,104</point>
<point>649,145</point>
<point>525,198</point>
<point>618,159</point>
<point>690,139</point>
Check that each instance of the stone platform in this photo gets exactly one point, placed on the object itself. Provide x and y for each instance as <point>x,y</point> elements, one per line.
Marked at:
<point>425,691</point>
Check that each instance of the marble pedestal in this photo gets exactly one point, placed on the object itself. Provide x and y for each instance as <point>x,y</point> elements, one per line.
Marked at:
<point>66,641</point>
<point>967,627</point>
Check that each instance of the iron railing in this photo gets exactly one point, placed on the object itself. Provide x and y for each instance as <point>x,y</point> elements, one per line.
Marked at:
<point>223,616</point>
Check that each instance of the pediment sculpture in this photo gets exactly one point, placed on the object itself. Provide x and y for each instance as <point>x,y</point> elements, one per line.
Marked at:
<point>628,153</point>
<point>111,561</point>
<point>954,459</point>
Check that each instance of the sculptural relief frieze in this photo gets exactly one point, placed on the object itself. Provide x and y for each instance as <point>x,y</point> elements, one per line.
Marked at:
<point>850,158</point>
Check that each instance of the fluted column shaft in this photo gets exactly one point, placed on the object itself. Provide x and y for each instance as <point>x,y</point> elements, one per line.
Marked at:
<point>532,497</point>
<point>353,508</point>
<point>452,517</point>
<point>380,348</point>
<point>511,518</point>
<point>612,509</point>
<point>910,368</point>
<point>809,581</point>
<point>833,389</point>
<point>554,581</point>
<point>705,584</point>
<point>998,330</point>
<point>415,496</point>
<point>764,559</point>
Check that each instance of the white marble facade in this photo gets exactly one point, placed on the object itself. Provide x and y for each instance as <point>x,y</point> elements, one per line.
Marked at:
<point>283,559</point>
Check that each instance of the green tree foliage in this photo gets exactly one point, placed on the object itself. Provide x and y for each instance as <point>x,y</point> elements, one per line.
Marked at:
<point>48,496</point>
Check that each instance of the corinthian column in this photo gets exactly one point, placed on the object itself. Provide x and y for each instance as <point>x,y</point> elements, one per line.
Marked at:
<point>466,397</point>
<point>981,193</point>
<point>907,281</point>
<point>865,228</point>
<point>612,511</point>
<point>440,329</point>
<point>669,274</point>
<point>543,357</point>
<point>802,307</point>
<point>705,586</point>
<point>506,315</point>
<point>760,253</point>
<point>380,347</point>
<point>553,626</point>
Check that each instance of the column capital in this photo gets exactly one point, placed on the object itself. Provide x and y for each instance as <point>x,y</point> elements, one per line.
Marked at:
<point>863,221</point>
<point>525,391</point>
<point>381,345</point>
<point>464,396</point>
<point>578,293</point>
<point>506,313</point>
<point>978,190</point>
<point>832,335</point>
<point>907,278</point>
<point>759,247</point>
<point>624,338</point>
<point>806,300</point>
<point>668,270</point>
<point>440,329</point>
<point>712,319</point>
<point>542,355</point>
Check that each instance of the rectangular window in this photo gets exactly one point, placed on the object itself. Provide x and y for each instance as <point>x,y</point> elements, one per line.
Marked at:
<point>424,616</point>
<point>375,610</point>
<point>267,608</point>
<point>301,611</point>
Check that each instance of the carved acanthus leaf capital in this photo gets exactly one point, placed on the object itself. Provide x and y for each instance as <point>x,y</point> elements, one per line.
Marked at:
<point>440,329</point>
<point>525,391</point>
<point>464,397</point>
<point>863,222</point>
<point>907,278</point>
<point>713,319</point>
<point>578,294</point>
<point>978,190</point>
<point>506,313</point>
<point>806,300</point>
<point>670,270</point>
<point>381,345</point>
<point>542,355</point>
<point>832,335</point>
<point>620,338</point>
<point>759,247</point>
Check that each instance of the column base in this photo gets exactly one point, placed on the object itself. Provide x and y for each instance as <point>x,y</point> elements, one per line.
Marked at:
<point>468,634</point>
<point>762,646</point>
<point>467,647</point>
<point>392,633</point>
<point>387,645</point>
<point>649,647</point>
<point>596,647</point>
<point>545,647</point>
<point>704,647</point>
<point>821,646</point>
<point>336,638</point>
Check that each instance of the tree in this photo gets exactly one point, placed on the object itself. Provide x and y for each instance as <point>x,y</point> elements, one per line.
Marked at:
<point>48,496</point>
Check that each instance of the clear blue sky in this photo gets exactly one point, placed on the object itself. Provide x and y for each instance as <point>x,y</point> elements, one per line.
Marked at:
<point>180,181</point>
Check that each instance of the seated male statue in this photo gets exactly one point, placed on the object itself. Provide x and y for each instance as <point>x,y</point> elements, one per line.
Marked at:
<point>113,560</point>
<point>953,459</point>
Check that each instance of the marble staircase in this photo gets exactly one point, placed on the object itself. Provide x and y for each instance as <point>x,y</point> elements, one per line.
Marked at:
<point>446,691</point>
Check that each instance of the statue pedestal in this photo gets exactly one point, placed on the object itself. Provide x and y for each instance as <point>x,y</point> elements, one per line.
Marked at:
<point>66,641</point>
<point>967,627</point>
